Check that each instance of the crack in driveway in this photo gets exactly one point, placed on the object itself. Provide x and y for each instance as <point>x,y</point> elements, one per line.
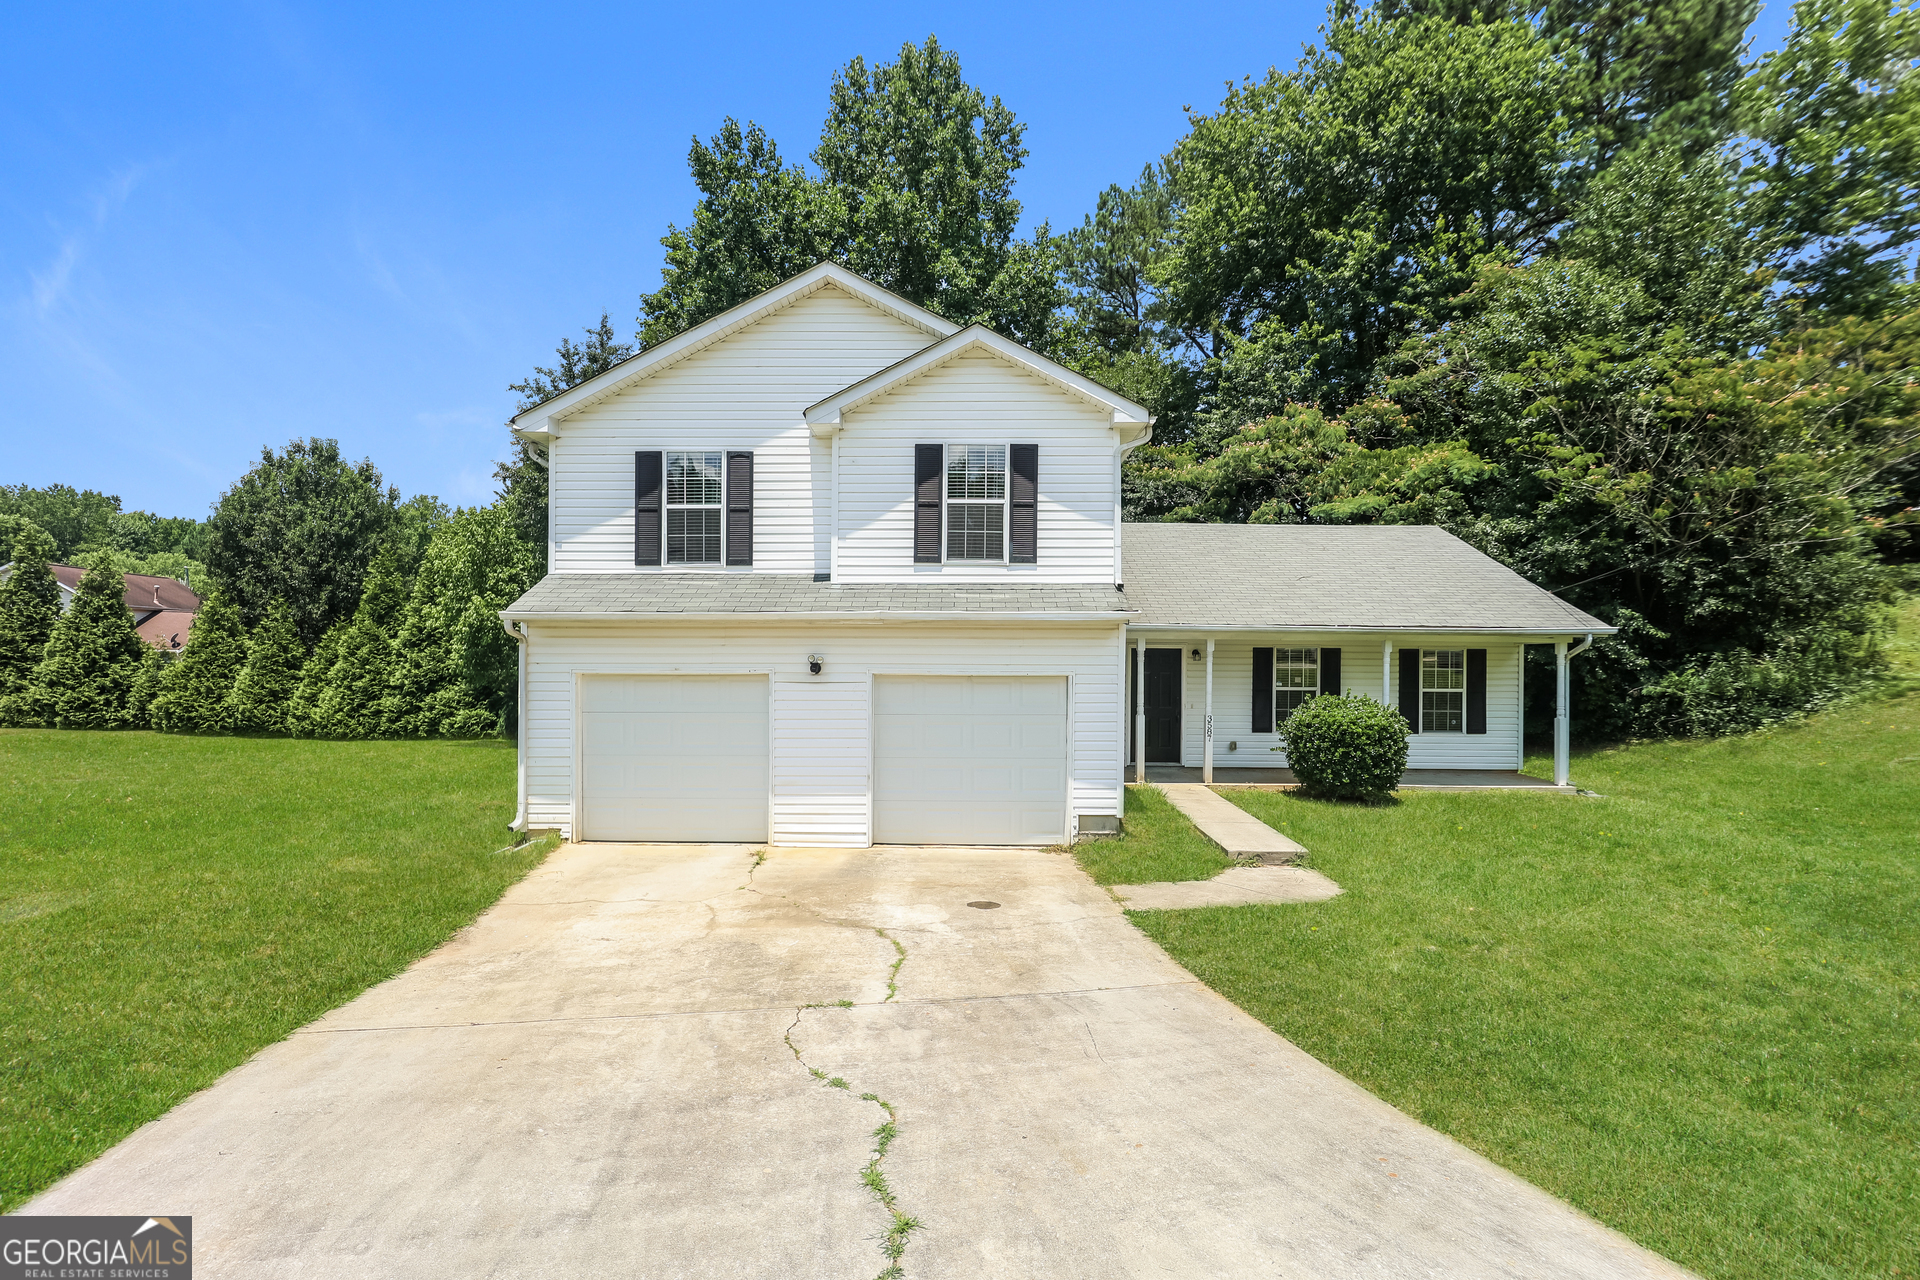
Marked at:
<point>872,1176</point>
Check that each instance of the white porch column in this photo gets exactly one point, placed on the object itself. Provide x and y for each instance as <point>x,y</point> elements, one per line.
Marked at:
<point>1140,711</point>
<point>1386,673</point>
<point>1561,763</point>
<point>1206,750</point>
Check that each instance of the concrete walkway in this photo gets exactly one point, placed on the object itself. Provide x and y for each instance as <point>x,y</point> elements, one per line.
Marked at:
<point>1228,825</point>
<point>1234,887</point>
<point>612,1073</point>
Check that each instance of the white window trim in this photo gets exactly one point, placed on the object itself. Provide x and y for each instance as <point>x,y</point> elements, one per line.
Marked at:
<point>1279,716</point>
<point>666,467</point>
<point>1462,691</point>
<point>1005,500</point>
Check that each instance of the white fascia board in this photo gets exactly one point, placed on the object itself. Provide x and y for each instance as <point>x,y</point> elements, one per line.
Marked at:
<point>824,418</point>
<point>544,415</point>
<point>1530,635</point>
<point>822,615</point>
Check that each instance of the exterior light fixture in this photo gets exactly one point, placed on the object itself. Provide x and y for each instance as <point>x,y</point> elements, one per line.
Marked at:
<point>1196,655</point>
<point>814,663</point>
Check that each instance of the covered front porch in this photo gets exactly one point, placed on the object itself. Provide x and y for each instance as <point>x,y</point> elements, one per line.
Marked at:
<point>1209,704</point>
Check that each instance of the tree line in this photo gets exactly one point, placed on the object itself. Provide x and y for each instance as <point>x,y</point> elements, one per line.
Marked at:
<point>1630,310</point>
<point>336,611</point>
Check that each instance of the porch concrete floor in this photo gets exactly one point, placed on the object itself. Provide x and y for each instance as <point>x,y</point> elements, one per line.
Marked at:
<point>1411,780</point>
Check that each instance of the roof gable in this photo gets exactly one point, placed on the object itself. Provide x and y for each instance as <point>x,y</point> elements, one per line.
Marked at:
<point>825,417</point>
<point>537,424</point>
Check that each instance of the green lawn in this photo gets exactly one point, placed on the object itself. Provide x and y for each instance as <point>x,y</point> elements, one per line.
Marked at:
<point>1689,1006</point>
<point>1159,844</point>
<point>170,905</point>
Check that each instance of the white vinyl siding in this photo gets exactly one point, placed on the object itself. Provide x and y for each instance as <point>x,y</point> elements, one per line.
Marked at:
<point>953,403</point>
<point>820,726</point>
<point>1500,747</point>
<point>746,391</point>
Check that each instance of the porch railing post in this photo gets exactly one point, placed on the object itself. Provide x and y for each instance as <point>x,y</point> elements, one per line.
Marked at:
<point>1206,749</point>
<point>1140,711</point>
<point>1562,764</point>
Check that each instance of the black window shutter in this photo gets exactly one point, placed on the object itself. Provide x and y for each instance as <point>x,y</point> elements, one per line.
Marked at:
<point>1023,512</point>
<point>1330,671</point>
<point>647,465</point>
<point>1263,691</point>
<point>739,507</point>
<point>926,503</point>
<point>1476,691</point>
<point>1410,687</point>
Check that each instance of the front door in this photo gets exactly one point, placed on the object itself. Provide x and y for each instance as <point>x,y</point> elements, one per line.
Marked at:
<point>1163,704</point>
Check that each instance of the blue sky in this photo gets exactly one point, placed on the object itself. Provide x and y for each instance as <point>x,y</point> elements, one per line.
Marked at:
<point>224,226</point>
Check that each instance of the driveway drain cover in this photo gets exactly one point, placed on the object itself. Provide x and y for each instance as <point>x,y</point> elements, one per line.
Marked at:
<point>984,906</point>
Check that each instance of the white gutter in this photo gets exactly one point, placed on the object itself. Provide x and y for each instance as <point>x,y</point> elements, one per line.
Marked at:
<point>826,615</point>
<point>520,638</point>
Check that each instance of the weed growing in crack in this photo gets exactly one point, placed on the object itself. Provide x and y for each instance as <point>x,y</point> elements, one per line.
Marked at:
<point>894,1244</point>
<point>893,988</point>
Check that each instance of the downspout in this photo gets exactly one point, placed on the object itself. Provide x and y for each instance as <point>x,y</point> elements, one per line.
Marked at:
<point>518,631</point>
<point>1562,737</point>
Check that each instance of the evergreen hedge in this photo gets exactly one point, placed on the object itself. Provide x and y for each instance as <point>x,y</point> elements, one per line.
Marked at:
<point>193,693</point>
<point>29,609</point>
<point>85,677</point>
<point>265,686</point>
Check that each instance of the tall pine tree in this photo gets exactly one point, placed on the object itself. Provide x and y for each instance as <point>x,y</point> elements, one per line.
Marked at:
<point>29,608</point>
<point>193,695</point>
<point>354,700</point>
<point>267,683</point>
<point>85,678</point>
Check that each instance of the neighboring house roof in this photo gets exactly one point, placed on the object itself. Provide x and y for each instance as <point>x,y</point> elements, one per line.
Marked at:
<point>163,608</point>
<point>536,424</point>
<point>824,416</point>
<point>1388,578</point>
<point>169,630</point>
<point>726,595</point>
<point>146,593</point>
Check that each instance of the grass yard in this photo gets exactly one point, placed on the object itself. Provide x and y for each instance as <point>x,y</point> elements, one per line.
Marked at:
<point>1689,1007</point>
<point>1159,844</point>
<point>171,905</point>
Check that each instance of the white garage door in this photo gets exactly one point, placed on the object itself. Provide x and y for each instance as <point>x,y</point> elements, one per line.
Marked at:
<point>673,758</point>
<point>969,759</point>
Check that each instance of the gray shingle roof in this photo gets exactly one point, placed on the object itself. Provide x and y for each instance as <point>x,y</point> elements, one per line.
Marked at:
<point>656,594</point>
<point>1331,578</point>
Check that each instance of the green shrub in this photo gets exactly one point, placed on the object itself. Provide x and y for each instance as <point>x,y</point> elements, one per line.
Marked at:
<point>1346,747</point>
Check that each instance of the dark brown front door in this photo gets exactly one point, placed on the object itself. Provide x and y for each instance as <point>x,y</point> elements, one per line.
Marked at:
<point>1163,703</point>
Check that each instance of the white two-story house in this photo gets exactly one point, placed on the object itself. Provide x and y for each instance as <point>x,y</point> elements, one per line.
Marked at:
<point>831,570</point>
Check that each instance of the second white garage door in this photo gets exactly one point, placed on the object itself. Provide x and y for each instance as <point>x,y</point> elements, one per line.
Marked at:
<point>673,758</point>
<point>969,759</point>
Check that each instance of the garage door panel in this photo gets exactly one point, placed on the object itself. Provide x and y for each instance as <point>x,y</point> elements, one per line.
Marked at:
<point>674,758</point>
<point>970,759</point>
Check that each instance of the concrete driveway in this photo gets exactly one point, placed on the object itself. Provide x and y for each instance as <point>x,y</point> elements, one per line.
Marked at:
<point>610,1074</point>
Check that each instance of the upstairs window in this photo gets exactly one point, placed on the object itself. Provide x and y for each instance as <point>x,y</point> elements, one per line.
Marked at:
<point>1443,690</point>
<point>693,507</point>
<point>976,502</point>
<point>1296,677</point>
